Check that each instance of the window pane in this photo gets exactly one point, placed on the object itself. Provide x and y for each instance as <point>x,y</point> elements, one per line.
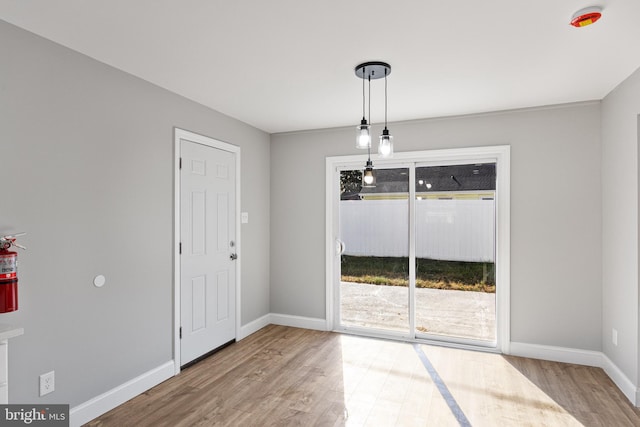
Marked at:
<point>455,251</point>
<point>374,227</point>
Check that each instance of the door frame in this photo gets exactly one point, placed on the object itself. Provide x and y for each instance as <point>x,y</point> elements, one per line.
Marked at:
<point>498,153</point>
<point>180,134</point>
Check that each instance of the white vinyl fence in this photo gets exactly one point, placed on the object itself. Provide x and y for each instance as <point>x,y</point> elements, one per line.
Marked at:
<point>453,230</point>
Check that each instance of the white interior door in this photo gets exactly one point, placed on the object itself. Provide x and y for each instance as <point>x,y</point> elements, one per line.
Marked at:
<point>208,249</point>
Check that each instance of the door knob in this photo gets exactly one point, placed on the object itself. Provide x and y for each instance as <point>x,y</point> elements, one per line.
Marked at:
<point>233,257</point>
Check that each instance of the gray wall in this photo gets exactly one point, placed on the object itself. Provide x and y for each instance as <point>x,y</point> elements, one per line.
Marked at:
<point>87,171</point>
<point>555,214</point>
<point>620,176</point>
<point>87,152</point>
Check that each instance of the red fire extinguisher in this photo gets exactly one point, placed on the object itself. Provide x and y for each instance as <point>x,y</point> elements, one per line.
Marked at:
<point>9,274</point>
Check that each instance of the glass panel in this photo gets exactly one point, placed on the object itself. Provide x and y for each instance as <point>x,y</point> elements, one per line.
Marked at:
<point>455,251</point>
<point>374,227</point>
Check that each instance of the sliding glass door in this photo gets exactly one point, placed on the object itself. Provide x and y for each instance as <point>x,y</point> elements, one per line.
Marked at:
<point>455,251</point>
<point>375,255</point>
<point>417,252</point>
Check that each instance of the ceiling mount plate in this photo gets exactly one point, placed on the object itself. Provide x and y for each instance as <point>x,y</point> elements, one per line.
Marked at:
<point>373,70</point>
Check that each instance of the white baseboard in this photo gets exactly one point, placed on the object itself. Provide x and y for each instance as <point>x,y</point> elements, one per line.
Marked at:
<point>620,379</point>
<point>556,354</point>
<point>580,357</point>
<point>105,402</point>
<point>299,321</point>
<point>254,326</point>
<point>282,320</point>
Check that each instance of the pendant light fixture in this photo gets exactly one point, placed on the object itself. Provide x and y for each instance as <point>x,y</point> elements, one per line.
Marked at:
<point>363,134</point>
<point>371,71</point>
<point>385,147</point>
<point>369,175</point>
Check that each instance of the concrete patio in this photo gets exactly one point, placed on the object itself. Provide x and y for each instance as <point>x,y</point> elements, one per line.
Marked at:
<point>442,312</point>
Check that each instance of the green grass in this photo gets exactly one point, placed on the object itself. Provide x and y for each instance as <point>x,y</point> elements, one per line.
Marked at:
<point>390,271</point>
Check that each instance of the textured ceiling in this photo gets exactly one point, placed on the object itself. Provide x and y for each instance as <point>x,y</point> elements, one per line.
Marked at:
<point>285,65</point>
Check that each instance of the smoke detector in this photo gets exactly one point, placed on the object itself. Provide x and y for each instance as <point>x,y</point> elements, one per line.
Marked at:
<point>586,16</point>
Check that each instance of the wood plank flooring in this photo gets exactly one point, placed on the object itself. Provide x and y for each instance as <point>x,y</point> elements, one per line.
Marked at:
<point>283,376</point>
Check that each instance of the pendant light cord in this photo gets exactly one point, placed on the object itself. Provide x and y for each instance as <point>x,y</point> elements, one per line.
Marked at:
<point>363,97</point>
<point>370,121</point>
<point>369,146</point>
<point>385,98</point>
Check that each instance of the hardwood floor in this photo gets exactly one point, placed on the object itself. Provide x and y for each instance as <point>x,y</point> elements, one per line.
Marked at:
<point>283,376</point>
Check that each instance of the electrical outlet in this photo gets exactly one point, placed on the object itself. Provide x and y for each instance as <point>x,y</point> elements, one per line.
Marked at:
<point>614,336</point>
<point>47,383</point>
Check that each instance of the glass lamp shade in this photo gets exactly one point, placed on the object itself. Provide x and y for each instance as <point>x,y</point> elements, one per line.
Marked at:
<point>363,137</point>
<point>369,176</point>
<point>385,147</point>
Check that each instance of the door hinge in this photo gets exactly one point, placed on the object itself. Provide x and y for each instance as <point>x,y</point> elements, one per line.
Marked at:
<point>180,332</point>
<point>180,163</point>
<point>180,248</point>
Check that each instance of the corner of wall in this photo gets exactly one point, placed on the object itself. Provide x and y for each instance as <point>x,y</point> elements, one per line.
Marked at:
<point>580,357</point>
<point>626,386</point>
